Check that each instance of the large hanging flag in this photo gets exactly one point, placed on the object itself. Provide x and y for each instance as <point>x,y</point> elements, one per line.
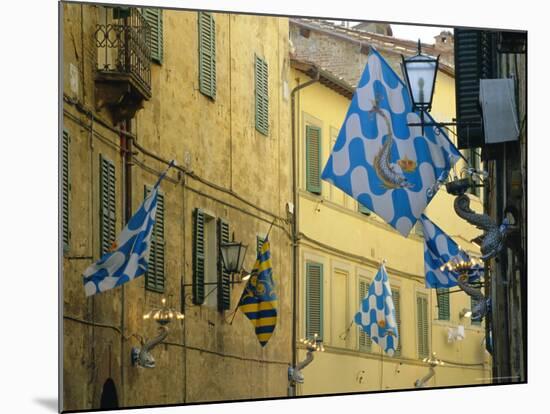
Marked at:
<point>386,165</point>
<point>259,301</point>
<point>130,254</point>
<point>377,314</point>
<point>440,249</point>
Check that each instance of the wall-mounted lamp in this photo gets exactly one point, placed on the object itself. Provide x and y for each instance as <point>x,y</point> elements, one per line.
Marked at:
<point>295,375</point>
<point>233,254</point>
<point>433,362</point>
<point>465,313</point>
<point>163,316</point>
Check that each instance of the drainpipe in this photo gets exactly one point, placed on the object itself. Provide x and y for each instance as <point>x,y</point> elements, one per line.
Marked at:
<point>292,387</point>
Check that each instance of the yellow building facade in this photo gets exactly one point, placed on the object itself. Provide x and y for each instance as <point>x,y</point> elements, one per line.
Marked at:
<point>210,93</point>
<point>341,247</point>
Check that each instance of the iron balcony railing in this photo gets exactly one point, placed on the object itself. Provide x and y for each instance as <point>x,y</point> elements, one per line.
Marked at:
<point>123,42</point>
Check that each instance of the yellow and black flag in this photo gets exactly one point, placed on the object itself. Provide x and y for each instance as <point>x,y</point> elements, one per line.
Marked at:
<point>258,301</point>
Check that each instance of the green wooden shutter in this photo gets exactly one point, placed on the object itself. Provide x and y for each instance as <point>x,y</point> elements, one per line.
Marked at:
<point>314,299</point>
<point>259,244</point>
<point>422,325</point>
<point>198,257</point>
<point>65,189</point>
<point>362,209</point>
<point>443,304</point>
<point>207,54</point>
<point>473,303</point>
<point>155,276</point>
<point>262,95</point>
<point>475,59</point>
<point>313,159</point>
<point>397,305</point>
<point>365,343</point>
<point>224,287</point>
<point>154,18</point>
<point>107,204</point>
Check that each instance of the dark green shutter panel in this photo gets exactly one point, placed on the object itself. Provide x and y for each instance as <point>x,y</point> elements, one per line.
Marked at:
<point>362,209</point>
<point>155,276</point>
<point>365,343</point>
<point>154,18</point>
<point>473,303</point>
<point>443,304</point>
<point>313,159</point>
<point>259,244</point>
<point>396,297</point>
<point>207,54</point>
<point>314,299</point>
<point>224,287</point>
<point>65,189</point>
<point>262,95</point>
<point>475,59</point>
<point>198,257</point>
<point>107,204</point>
<point>121,12</point>
<point>422,326</point>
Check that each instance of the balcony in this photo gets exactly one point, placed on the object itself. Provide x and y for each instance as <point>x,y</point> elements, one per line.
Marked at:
<point>123,75</point>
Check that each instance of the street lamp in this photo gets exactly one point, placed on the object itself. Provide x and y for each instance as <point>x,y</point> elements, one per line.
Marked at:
<point>233,254</point>
<point>420,72</point>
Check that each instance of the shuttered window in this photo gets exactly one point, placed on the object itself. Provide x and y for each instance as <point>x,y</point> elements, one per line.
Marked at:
<point>475,59</point>
<point>365,343</point>
<point>65,189</point>
<point>207,54</point>
<point>473,303</point>
<point>155,276</point>
<point>198,257</point>
<point>422,326</point>
<point>107,205</point>
<point>314,299</point>
<point>262,95</point>
<point>364,210</point>
<point>224,287</point>
<point>443,304</point>
<point>396,297</point>
<point>154,18</point>
<point>313,159</point>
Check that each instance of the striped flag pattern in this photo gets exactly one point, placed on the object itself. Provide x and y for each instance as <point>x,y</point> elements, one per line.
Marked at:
<point>259,301</point>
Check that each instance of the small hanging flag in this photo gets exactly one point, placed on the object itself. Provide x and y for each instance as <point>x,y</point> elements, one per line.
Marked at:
<point>259,301</point>
<point>377,314</point>
<point>440,249</point>
<point>130,254</point>
<point>378,159</point>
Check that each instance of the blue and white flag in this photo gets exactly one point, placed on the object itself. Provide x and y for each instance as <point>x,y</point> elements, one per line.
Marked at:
<point>387,166</point>
<point>440,249</point>
<point>130,254</point>
<point>377,314</point>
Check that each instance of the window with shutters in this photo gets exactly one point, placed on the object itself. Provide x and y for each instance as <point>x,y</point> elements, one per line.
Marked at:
<point>65,189</point>
<point>475,59</point>
<point>314,299</point>
<point>339,319</point>
<point>207,54</point>
<point>155,275</point>
<point>365,343</point>
<point>224,285</point>
<point>261,95</point>
<point>205,259</point>
<point>107,205</point>
<point>422,326</point>
<point>396,297</point>
<point>313,159</point>
<point>153,17</point>
<point>443,304</point>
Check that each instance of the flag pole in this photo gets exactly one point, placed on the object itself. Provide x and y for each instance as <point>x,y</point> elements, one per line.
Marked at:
<point>237,307</point>
<point>171,164</point>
